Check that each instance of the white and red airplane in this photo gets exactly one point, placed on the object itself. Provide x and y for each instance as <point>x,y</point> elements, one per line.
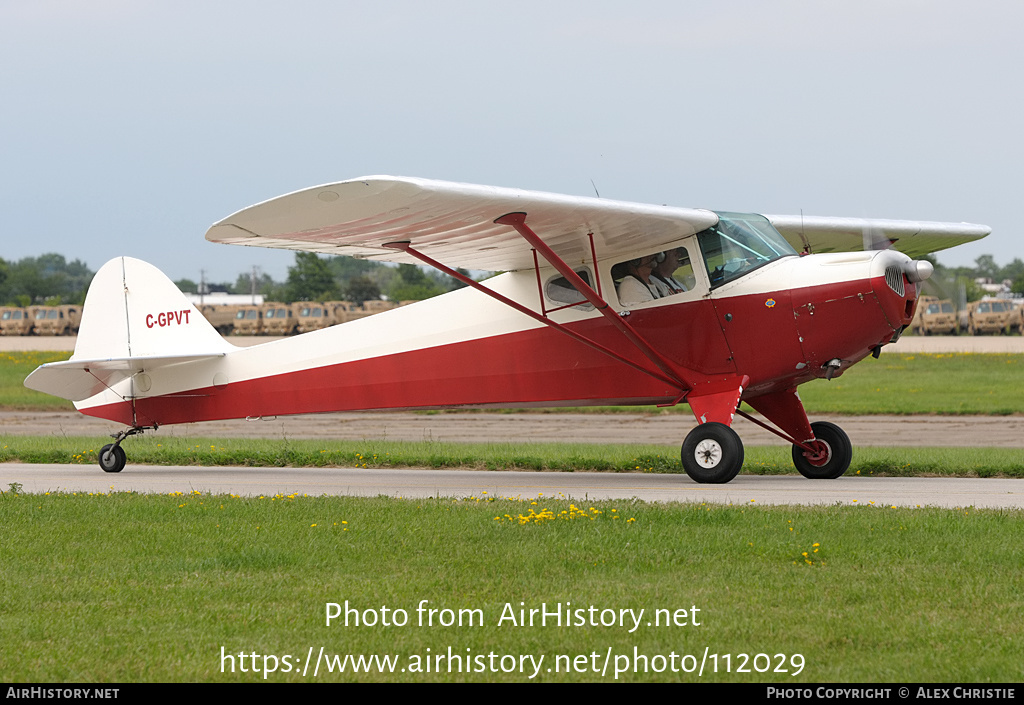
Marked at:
<point>587,312</point>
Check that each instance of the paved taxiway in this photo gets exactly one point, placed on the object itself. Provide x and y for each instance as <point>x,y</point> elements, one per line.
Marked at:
<point>421,483</point>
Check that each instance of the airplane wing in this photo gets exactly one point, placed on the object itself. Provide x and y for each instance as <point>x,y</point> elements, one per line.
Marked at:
<point>454,223</point>
<point>912,237</point>
<point>451,222</point>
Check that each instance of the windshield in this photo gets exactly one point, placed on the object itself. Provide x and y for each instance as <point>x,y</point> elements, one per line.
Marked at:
<point>738,244</point>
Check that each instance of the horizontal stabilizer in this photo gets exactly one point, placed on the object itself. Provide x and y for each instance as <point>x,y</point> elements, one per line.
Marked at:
<point>80,379</point>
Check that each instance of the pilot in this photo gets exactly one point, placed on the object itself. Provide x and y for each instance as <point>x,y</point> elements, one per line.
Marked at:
<point>636,287</point>
<point>661,276</point>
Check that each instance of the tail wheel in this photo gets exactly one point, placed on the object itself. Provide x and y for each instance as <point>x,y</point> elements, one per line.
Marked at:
<point>712,453</point>
<point>112,458</point>
<point>832,453</point>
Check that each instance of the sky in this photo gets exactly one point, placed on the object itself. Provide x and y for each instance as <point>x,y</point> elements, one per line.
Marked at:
<point>128,127</point>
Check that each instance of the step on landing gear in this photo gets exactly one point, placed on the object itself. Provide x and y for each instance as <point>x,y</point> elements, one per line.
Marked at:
<point>112,455</point>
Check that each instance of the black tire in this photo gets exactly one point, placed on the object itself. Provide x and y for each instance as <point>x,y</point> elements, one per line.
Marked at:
<point>839,453</point>
<point>712,453</point>
<point>112,458</point>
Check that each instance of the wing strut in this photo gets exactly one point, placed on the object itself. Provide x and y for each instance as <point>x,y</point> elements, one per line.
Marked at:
<point>406,246</point>
<point>518,221</point>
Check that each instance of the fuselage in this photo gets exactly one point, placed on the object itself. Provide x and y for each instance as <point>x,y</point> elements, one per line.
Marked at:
<point>780,324</point>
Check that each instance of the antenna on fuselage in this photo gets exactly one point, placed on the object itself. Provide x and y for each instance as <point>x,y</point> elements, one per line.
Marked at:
<point>595,188</point>
<point>807,245</point>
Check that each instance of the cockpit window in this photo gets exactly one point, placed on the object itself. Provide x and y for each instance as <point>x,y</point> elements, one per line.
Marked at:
<point>740,243</point>
<point>559,289</point>
<point>657,275</point>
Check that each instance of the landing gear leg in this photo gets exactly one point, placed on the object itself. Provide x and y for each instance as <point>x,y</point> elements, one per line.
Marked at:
<point>827,453</point>
<point>112,455</point>
<point>712,453</point>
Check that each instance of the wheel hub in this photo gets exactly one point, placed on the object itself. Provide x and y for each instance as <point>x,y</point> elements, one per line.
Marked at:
<point>821,455</point>
<point>708,453</point>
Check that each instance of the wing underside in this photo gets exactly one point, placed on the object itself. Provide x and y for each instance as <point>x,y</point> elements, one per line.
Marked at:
<point>912,237</point>
<point>454,223</point>
<point>451,222</point>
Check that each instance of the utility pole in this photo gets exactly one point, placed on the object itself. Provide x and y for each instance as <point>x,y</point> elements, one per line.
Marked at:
<point>252,279</point>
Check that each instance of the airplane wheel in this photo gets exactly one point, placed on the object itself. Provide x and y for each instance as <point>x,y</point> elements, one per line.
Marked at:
<point>112,458</point>
<point>833,457</point>
<point>712,453</point>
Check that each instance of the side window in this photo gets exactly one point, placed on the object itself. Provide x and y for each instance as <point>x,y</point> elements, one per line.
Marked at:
<point>559,290</point>
<point>658,275</point>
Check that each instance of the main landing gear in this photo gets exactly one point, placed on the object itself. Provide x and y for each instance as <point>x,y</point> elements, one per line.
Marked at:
<point>112,455</point>
<point>713,453</point>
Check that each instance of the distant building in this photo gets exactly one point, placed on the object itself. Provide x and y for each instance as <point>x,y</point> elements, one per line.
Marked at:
<point>992,287</point>
<point>220,298</point>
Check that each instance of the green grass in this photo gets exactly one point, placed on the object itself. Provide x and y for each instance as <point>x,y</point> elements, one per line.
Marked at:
<point>14,368</point>
<point>565,457</point>
<point>944,383</point>
<point>125,588</point>
<point>953,383</point>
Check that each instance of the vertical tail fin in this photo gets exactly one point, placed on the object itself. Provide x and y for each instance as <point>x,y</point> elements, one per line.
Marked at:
<point>133,310</point>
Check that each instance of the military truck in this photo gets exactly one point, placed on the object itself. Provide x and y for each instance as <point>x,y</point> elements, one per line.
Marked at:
<point>378,305</point>
<point>248,320</point>
<point>935,317</point>
<point>312,315</point>
<point>1017,317</point>
<point>220,316</point>
<point>15,320</point>
<point>988,316</point>
<point>57,320</point>
<point>345,311</point>
<point>278,319</point>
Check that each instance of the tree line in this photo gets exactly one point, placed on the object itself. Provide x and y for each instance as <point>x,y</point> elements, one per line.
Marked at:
<point>52,280</point>
<point>317,278</point>
<point>946,282</point>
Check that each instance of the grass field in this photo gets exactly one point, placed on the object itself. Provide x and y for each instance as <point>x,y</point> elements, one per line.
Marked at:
<point>953,383</point>
<point>124,588</point>
<point>14,368</point>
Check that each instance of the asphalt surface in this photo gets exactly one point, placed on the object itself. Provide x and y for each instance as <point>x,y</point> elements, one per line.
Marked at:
<point>868,492</point>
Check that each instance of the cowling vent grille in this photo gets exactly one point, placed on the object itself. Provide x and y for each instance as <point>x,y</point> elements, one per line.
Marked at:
<point>894,278</point>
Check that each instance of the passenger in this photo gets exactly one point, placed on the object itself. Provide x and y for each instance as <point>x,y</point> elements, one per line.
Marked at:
<point>636,287</point>
<point>662,278</point>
